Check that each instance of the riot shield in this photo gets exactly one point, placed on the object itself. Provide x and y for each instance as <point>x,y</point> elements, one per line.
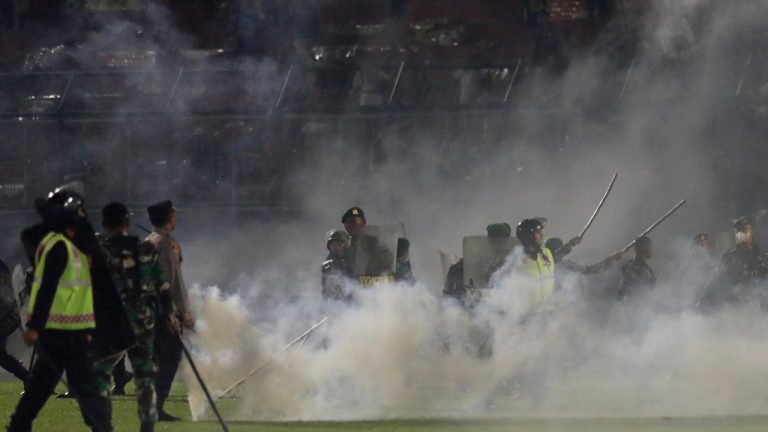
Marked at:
<point>114,332</point>
<point>372,256</point>
<point>724,241</point>
<point>19,282</point>
<point>9,312</point>
<point>483,256</point>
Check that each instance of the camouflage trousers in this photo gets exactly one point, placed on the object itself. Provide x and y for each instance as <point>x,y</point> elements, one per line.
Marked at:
<point>144,363</point>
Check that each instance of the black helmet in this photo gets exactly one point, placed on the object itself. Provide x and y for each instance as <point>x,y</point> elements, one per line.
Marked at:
<point>337,235</point>
<point>114,214</point>
<point>554,244</point>
<point>642,243</point>
<point>62,208</point>
<point>526,230</point>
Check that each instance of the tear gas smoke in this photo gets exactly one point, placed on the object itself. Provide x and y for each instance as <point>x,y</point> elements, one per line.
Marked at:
<point>675,132</point>
<point>405,352</point>
<point>401,352</point>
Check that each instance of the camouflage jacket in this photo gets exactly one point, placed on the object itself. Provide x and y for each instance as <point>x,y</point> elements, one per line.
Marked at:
<point>742,264</point>
<point>636,276</point>
<point>139,277</point>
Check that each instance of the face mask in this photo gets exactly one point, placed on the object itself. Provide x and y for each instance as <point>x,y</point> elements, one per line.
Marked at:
<point>742,237</point>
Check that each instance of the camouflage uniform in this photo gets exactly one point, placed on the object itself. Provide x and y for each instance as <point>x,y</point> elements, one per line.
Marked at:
<point>636,277</point>
<point>144,288</point>
<point>738,278</point>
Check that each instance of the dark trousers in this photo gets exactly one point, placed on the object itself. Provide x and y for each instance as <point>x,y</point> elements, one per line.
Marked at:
<point>168,349</point>
<point>60,351</point>
<point>10,363</point>
<point>121,375</point>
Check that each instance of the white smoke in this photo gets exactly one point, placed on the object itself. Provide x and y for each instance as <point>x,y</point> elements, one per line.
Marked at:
<point>406,352</point>
<point>401,352</point>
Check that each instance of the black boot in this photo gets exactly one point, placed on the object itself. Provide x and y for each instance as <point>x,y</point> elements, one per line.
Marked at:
<point>165,417</point>
<point>147,427</point>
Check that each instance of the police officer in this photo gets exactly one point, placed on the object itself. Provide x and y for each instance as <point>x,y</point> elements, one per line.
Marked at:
<point>62,318</point>
<point>10,320</point>
<point>167,342</point>
<point>540,261</point>
<point>143,286</point>
<point>637,276</point>
<point>336,266</point>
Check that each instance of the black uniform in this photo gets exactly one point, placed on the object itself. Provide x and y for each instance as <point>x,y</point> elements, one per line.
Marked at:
<point>454,281</point>
<point>403,269</point>
<point>60,351</point>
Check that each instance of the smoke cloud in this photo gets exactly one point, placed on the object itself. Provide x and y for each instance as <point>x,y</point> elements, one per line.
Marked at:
<point>678,113</point>
<point>656,116</point>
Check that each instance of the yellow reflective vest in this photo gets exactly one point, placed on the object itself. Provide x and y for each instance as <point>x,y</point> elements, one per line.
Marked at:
<point>72,307</point>
<point>543,278</point>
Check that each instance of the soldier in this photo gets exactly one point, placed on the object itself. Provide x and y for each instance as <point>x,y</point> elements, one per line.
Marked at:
<point>135,267</point>
<point>366,255</point>
<point>336,266</point>
<point>745,261</point>
<point>703,261</point>
<point>62,320</point>
<point>10,320</point>
<point>636,275</point>
<point>739,268</point>
<point>167,342</point>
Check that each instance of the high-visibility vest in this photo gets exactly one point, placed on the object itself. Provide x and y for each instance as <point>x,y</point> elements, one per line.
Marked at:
<point>543,277</point>
<point>72,307</point>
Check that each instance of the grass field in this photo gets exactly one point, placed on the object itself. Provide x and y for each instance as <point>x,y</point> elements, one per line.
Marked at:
<point>62,415</point>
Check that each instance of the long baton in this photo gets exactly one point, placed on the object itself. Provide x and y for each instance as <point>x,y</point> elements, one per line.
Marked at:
<point>202,384</point>
<point>655,224</point>
<point>271,358</point>
<point>143,228</point>
<point>599,206</point>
